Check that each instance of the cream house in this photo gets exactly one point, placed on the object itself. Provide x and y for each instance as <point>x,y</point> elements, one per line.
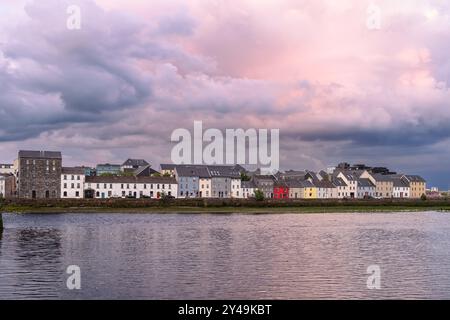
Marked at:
<point>417,185</point>
<point>384,185</point>
<point>72,182</point>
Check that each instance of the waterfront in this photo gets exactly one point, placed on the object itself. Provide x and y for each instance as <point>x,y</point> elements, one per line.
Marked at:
<point>225,256</point>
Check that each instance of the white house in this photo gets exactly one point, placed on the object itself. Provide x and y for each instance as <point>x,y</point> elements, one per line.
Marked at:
<point>351,180</point>
<point>326,190</point>
<point>342,190</point>
<point>365,189</point>
<point>72,182</point>
<point>130,186</point>
<point>248,189</point>
<point>401,188</point>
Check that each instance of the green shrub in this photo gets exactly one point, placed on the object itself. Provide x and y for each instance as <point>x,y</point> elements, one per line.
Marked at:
<point>259,195</point>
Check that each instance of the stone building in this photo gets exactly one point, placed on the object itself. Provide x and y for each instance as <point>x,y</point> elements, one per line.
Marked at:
<point>39,174</point>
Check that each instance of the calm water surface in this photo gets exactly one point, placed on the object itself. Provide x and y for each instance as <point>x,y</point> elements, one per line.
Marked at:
<point>183,256</point>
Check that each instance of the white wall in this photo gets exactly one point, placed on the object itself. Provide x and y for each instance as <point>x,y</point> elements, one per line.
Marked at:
<point>121,190</point>
<point>71,184</point>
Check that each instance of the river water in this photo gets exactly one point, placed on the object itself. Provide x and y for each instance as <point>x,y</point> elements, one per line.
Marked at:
<point>221,256</point>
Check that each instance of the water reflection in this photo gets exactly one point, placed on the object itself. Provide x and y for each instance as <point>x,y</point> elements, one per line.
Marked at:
<point>172,256</point>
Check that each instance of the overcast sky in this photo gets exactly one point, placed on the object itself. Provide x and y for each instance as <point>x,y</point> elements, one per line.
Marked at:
<point>136,70</point>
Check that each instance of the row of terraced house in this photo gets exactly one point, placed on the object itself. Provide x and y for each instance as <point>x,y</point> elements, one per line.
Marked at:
<point>41,174</point>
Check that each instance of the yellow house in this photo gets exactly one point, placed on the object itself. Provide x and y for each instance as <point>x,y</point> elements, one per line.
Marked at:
<point>309,189</point>
<point>417,185</point>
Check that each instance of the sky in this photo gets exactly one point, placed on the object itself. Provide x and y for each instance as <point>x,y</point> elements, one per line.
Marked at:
<point>338,86</point>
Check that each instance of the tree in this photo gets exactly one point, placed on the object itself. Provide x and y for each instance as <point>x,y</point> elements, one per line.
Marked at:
<point>244,177</point>
<point>167,174</point>
<point>423,197</point>
<point>259,195</point>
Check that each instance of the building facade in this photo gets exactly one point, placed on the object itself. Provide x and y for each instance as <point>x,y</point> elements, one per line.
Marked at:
<point>72,182</point>
<point>401,188</point>
<point>7,186</point>
<point>105,187</point>
<point>6,168</point>
<point>39,174</point>
<point>417,185</point>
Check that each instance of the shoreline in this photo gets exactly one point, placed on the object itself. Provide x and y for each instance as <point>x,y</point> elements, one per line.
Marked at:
<point>223,210</point>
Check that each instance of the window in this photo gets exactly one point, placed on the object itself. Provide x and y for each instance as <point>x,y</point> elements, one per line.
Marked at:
<point>65,194</point>
<point>65,185</point>
<point>72,185</point>
<point>65,177</point>
<point>77,194</point>
<point>78,185</point>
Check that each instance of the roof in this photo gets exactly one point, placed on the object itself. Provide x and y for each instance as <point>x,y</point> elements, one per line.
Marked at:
<point>248,184</point>
<point>399,183</point>
<point>130,179</point>
<point>40,154</point>
<point>365,183</point>
<point>73,170</point>
<point>414,178</point>
<point>167,166</point>
<point>192,171</point>
<point>144,171</point>
<point>338,182</point>
<point>224,171</point>
<point>324,184</point>
<point>299,184</point>
<point>135,163</point>
<point>382,177</point>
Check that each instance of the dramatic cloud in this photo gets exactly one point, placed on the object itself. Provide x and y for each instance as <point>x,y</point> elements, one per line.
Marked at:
<point>136,70</point>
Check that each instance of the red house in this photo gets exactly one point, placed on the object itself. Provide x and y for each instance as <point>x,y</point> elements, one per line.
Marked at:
<point>280,191</point>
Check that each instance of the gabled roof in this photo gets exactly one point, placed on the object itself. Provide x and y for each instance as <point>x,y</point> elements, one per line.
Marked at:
<point>144,171</point>
<point>40,154</point>
<point>324,184</point>
<point>399,183</point>
<point>414,178</point>
<point>192,171</point>
<point>338,182</point>
<point>297,183</point>
<point>135,163</point>
<point>365,183</point>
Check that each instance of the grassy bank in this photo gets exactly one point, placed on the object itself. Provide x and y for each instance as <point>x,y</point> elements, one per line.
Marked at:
<point>220,206</point>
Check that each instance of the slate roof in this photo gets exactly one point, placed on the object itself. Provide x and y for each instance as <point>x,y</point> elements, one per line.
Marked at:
<point>414,178</point>
<point>338,182</point>
<point>192,171</point>
<point>248,184</point>
<point>130,179</point>
<point>399,183</point>
<point>167,166</point>
<point>135,163</point>
<point>40,154</point>
<point>382,177</point>
<point>365,183</point>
